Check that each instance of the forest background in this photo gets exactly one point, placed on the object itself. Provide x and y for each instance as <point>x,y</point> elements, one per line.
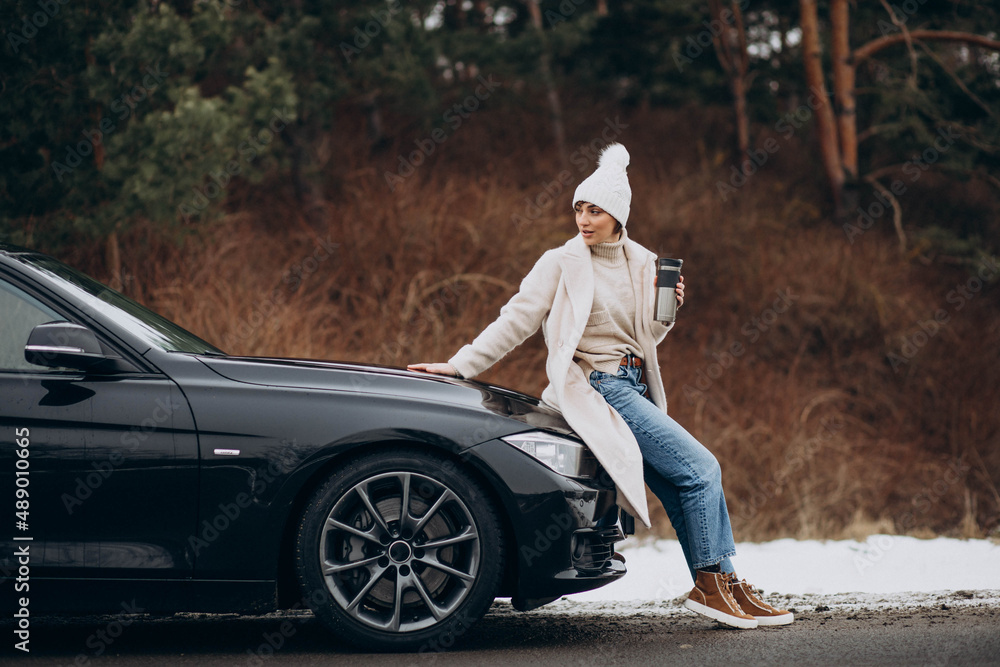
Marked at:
<point>369,181</point>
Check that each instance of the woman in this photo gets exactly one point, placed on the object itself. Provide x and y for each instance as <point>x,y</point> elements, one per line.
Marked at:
<point>593,298</point>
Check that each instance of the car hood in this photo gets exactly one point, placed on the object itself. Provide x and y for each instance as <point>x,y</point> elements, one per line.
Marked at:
<point>388,381</point>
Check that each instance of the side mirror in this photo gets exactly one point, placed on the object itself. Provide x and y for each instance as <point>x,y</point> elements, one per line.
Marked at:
<point>63,345</point>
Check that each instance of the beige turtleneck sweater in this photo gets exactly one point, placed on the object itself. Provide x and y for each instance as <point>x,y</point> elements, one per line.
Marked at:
<point>610,332</point>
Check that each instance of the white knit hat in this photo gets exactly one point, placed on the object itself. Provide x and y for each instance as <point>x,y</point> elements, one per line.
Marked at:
<point>608,186</point>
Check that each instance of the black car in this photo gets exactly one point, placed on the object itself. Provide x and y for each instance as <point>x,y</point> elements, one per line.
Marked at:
<point>142,465</point>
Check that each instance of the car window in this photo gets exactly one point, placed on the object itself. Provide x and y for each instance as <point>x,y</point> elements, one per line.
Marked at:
<point>19,314</point>
<point>141,321</point>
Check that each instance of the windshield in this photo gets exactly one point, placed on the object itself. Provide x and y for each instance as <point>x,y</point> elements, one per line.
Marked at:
<point>155,329</point>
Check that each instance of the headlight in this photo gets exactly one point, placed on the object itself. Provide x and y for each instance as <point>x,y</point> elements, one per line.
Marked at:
<point>564,456</point>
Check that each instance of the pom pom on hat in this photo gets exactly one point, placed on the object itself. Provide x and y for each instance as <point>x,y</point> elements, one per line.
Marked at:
<point>608,186</point>
<point>613,155</point>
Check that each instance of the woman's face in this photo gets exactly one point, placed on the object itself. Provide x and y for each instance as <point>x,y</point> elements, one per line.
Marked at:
<point>596,225</point>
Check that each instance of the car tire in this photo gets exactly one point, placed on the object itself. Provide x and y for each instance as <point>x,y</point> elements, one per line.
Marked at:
<point>390,580</point>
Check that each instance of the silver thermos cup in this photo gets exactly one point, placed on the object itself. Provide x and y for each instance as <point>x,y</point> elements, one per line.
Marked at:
<point>668,272</point>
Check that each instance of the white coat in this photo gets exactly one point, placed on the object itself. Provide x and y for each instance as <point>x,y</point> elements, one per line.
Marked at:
<point>557,295</point>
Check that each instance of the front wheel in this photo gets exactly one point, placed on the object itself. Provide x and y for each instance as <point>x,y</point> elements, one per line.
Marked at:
<point>400,551</point>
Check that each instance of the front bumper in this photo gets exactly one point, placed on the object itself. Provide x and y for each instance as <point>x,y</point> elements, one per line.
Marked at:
<point>564,530</point>
<point>593,567</point>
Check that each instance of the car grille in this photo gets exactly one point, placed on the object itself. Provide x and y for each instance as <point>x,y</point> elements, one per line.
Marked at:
<point>594,549</point>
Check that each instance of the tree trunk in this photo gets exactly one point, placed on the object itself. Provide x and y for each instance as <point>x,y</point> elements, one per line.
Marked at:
<point>738,86</point>
<point>481,23</point>
<point>373,113</point>
<point>731,50</point>
<point>843,86</point>
<point>818,99</point>
<point>113,261</point>
<point>545,68</point>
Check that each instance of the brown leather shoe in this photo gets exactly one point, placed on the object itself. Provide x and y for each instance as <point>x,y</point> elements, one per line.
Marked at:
<point>749,600</point>
<point>711,597</point>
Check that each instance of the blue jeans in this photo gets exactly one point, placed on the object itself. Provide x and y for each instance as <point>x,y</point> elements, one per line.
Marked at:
<point>683,474</point>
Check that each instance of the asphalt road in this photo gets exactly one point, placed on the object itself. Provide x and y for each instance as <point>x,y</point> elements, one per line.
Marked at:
<point>950,629</point>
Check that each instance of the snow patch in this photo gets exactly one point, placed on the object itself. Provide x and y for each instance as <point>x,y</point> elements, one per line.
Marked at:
<point>881,567</point>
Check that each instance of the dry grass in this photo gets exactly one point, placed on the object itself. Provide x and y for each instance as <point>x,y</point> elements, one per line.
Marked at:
<point>818,435</point>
